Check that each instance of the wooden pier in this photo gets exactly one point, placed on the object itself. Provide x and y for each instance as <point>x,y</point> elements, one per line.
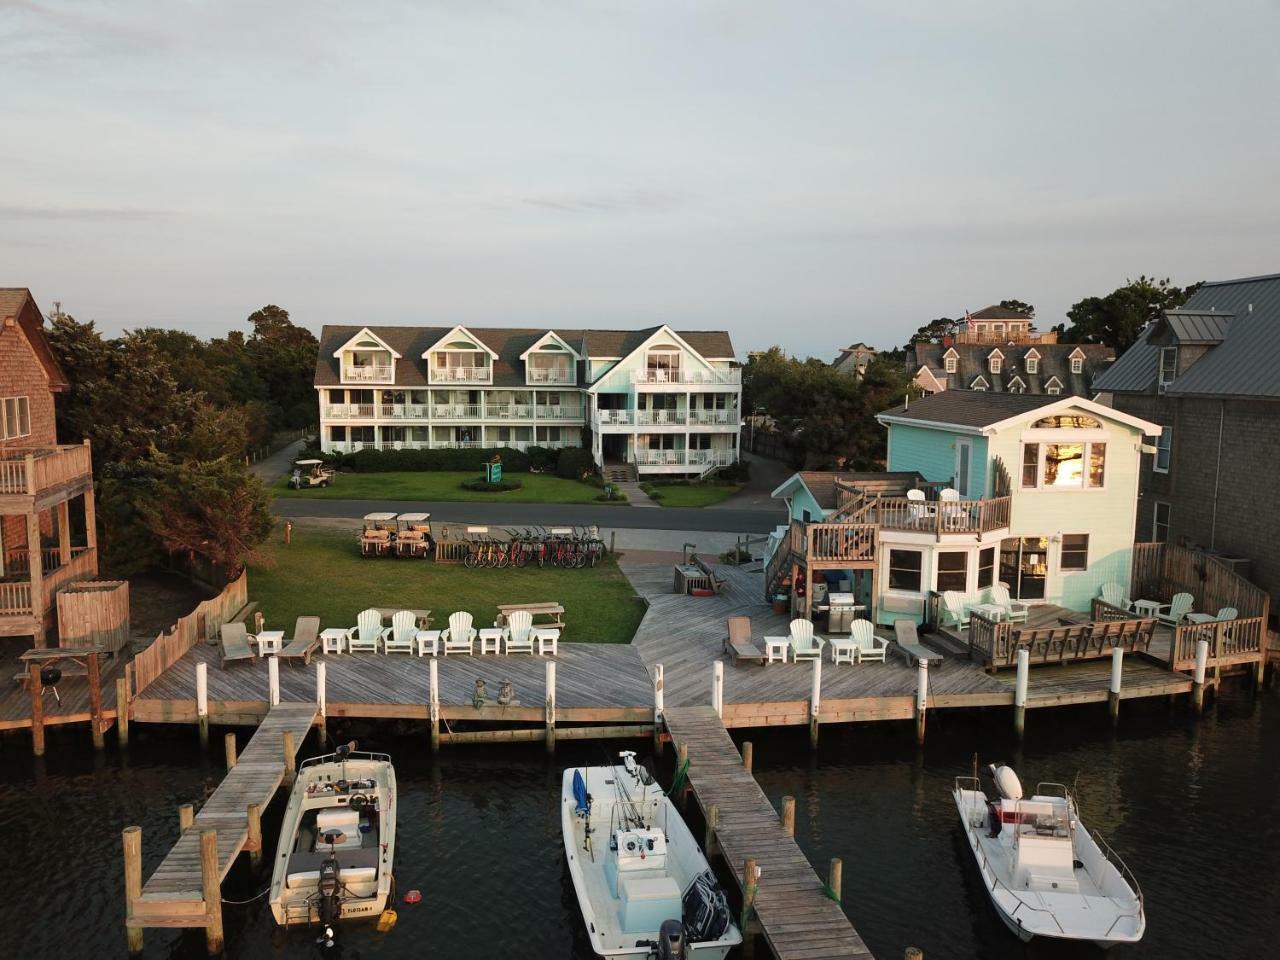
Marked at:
<point>795,913</point>
<point>185,890</point>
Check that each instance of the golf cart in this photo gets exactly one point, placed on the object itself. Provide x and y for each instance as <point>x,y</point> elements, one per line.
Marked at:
<point>310,473</point>
<point>376,539</point>
<point>413,535</point>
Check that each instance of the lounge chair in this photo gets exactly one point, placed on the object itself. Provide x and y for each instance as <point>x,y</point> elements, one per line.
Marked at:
<point>517,635</point>
<point>907,641</point>
<point>403,633</point>
<point>367,632</point>
<point>804,645</point>
<point>460,636</point>
<point>1114,595</point>
<point>1015,611</point>
<point>870,648</point>
<point>738,641</point>
<point>306,639</point>
<point>953,609</point>
<point>235,643</point>
<point>1176,610</point>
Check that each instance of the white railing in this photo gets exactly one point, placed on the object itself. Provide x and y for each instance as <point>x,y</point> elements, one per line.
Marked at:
<point>699,376</point>
<point>660,417</point>
<point>714,418</point>
<point>374,373</point>
<point>456,411</point>
<point>549,375</point>
<point>546,412</point>
<point>681,458</point>
<point>462,374</point>
<point>622,418</point>
<point>509,411</point>
<point>355,446</point>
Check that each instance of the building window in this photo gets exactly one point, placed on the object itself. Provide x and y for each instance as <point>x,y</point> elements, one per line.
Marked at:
<point>951,364</point>
<point>1060,466</point>
<point>1017,386</point>
<point>1077,365</point>
<point>1030,465</point>
<point>17,418</point>
<point>1164,450</point>
<point>1160,523</point>
<point>1054,387</point>
<point>993,364</point>
<point>1033,364</point>
<point>1168,365</point>
<point>953,570</point>
<point>979,384</point>
<point>1075,551</point>
<point>986,567</point>
<point>904,570</point>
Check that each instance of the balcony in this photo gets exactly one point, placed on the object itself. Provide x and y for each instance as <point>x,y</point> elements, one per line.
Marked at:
<point>355,446</point>
<point>682,458</point>
<point>612,418</point>
<point>462,374</point>
<point>15,595</point>
<point>936,516</point>
<point>563,376</point>
<point>730,377</point>
<point>661,418</point>
<point>714,418</point>
<point>557,412</point>
<point>32,480</point>
<point>456,411</point>
<point>368,373</point>
<point>509,411</point>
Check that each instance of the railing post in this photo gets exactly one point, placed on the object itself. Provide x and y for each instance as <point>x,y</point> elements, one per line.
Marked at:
<point>1117,677</point>
<point>202,703</point>
<point>1020,692</point>
<point>1197,678</point>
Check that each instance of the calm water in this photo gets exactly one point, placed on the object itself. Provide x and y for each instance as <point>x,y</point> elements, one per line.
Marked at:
<point>1193,808</point>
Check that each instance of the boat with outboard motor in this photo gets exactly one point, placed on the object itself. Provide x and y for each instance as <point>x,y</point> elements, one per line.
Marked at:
<point>1045,873</point>
<point>645,888</point>
<point>337,840</point>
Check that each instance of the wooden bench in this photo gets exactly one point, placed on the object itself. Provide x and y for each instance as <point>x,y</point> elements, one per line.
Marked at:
<point>552,611</point>
<point>738,640</point>
<point>716,583</point>
<point>244,613</point>
<point>907,642</point>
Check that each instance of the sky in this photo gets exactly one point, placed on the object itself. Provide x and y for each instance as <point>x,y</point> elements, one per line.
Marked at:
<point>808,174</point>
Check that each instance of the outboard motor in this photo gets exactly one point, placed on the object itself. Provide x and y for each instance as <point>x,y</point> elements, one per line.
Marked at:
<point>671,944</point>
<point>329,891</point>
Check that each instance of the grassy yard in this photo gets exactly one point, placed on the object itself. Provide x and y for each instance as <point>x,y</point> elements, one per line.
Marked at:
<point>323,574</point>
<point>442,485</point>
<point>694,495</point>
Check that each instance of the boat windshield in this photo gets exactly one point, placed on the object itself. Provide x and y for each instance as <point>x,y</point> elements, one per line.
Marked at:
<point>1041,817</point>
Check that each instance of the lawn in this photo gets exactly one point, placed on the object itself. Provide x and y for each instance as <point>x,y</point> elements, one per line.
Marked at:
<point>443,485</point>
<point>695,495</point>
<point>323,574</point>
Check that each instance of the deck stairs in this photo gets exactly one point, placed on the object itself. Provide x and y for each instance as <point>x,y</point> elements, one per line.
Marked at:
<point>620,473</point>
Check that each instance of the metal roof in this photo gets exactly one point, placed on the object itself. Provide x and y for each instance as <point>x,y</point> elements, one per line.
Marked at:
<point>1197,326</point>
<point>969,408</point>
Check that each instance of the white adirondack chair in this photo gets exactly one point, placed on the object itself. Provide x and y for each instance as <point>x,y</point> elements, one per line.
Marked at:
<point>804,645</point>
<point>1015,611</point>
<point>953,609</point>
<point>461,636</point>
<point>953,511</point>
<point>1227,613</point>
<point>367,632</point>
<point>404,631</point>
<point>918,508</point>
<point>1175,611</point>
<point>517,636</point>
<point>863,635</point>
<point>1114,594</point>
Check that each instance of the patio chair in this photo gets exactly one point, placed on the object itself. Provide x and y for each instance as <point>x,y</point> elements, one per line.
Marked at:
<point>1115,595</point>
<point>1227,613</point>
<point>918,509</point>
<point>870,647</point>
<point>517,635</point>
<point>804,645</point>
<point>367,632</point>
<point>954,513</point>
<point>907,641</point>
<point>1176,610</point>
<point>403,633</point>
<point>235,643</point>
<point>953,609</point>
<point>1015,611</point>
<point>306,638</point>
<point>460,637</point>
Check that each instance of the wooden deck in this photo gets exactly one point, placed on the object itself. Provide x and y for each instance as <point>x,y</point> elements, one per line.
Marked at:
<point>15,698</point>
<point>174,895</point>
<point>796,916</point>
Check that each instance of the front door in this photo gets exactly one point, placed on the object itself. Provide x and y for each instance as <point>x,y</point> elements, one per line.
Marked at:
<point>964,455</point>
<point>1024,566</point>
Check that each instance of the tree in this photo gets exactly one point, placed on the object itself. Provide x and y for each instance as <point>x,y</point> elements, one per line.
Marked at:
<point>1117,318</point>
<point>935,330</point>
<point>1020,305</point>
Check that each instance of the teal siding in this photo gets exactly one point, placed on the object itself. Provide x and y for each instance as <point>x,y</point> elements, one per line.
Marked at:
<point>933,454</point>
<point>802,500</point>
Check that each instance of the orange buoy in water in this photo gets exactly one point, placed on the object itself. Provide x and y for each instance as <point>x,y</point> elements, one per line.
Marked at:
<point>413,896</point>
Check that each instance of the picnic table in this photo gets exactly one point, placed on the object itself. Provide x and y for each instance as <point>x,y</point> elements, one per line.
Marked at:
<point>550,610</point>
<point>423,617</point>
<point>689,576</point>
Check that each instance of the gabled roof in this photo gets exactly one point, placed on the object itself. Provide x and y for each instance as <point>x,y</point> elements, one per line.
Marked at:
<point>461,333</point>
<point>363,333</point>
<point>979,379</point>
<point>997,312</point>
<point>18,303</point>
<point>547,337</point>
<point>821,484</point>
<point>1195,326</point>
<point>1053,359</point>
<point>967,411</point>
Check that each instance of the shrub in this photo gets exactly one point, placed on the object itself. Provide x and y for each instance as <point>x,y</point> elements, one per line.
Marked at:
<point>383,461</point>
<point>542,458</point>
<point>654,493</point>
<point>575,463</point>
<point>612,495</point>
<point>484,486</point>
<point>739,472</point>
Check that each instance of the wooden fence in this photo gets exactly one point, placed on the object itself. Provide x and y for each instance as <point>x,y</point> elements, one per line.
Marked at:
<point>1162,569</point>
<point>996,644</point>
<point>202,623</point>
<point>94,613</point>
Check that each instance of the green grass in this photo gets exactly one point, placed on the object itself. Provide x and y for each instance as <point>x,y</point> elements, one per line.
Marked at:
<point>323,574</point>
<point>695,495</point>
<point>442,485</point>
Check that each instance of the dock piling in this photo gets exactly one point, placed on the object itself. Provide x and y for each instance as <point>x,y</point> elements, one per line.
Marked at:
<point>682,757</point>
<point>1020,692</point>
<point>1197,677</point>
<point>713,823</point>
<point>748,755</point>
<point>211,882</point>
<point>750,878</point>
<point>815,701</point>
<point>435,707</point>
<point>717,687</point>
<point>659,704</point>
<point>789,815</point>
<point>132,839</point>
<point>202,702</point>
<point>229,745</point>
<point>95,695</point>
<point>835,879</point>
<point>290,756</point>
<point>322,692</point>
<point>254,842</point>
<point>186,816</point>
<point>1117,677</point>
<point>273,681</point>
<point>922,698</point>
<point>122,710</point>
<point>37,710</point>
<point>551,706</point>
<point>913,953</point>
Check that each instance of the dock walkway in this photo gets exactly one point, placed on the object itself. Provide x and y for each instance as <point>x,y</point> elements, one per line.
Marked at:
<point>797,917</point>
<point>174,895</point>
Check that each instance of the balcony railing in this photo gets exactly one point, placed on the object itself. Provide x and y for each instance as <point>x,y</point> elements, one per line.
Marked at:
<point>938,516</point>
<point>608,418</point>
<point>462,374</point>
<point>15,595</point>
<point>371,373</point>
<point>30,471</point>
<point>714,418</point>
<point>456,411</point>
<point>509,411</point>
<point>553,412</point>
<point>550,375</point>
<point>355,446</point>
<point>682,458</point>
<point>660,417</point>
<point>731,376</point>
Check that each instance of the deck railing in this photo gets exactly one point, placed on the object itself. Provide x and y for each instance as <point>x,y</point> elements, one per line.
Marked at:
<point>15,595</point>
<point>940,516</point>
<point>1230,642</point>
<point>855,542</point>
<point>996,643</point>
<point>374,373</point>
<point>1162,569</point>
<point>202,623</point>
<point>32,470</point>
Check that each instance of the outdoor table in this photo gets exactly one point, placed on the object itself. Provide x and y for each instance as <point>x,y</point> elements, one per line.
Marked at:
<point>1201,617</point>
<point>843,650</point>
<point>1147,608</point>
<point>428,642</point>
<point>269,642</point>
<point>993,612</point>
<point>490,640</point>
<point>776,646</point>
<point>548,639</point>
<point>334,639</point>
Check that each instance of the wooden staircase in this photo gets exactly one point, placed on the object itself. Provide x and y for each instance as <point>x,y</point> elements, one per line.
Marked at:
<point>619,473</point>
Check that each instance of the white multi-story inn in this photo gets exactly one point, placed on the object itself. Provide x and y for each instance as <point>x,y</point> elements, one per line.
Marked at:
<point>664,401</point>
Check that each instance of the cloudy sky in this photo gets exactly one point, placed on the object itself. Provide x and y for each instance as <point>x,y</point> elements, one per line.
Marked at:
<point>806,173</point>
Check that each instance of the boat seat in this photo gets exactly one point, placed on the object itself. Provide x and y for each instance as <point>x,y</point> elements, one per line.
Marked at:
<point>647,901</point>
<point>354,864</point>
<point>342,821</point>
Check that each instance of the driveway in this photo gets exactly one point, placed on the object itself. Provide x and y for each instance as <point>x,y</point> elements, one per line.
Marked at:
<point>766,475</point>
<point>272,468</point>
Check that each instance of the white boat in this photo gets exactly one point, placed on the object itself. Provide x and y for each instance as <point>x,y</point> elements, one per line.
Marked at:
<point>642,882</point>
<point>1045,873</point>
<point>337,840</point>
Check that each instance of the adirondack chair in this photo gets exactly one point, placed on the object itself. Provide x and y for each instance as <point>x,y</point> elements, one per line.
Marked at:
<point>1227,613</point>
<point>517,635</point>
<point>804,645</point>
<point>870,649</point>
<point>1114,594</point>
<point>235,643</point>
<point>953,511</point>
<point>953,609</point>
<point>918,509</point>
<point>404,631</point>
<point>1173,612</point>
<point>1015,611</point>
<point>367,632</point>
<point>306,639</point>
<point>460,637</point>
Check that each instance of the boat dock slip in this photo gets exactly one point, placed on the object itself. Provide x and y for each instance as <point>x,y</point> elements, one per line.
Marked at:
<point>176,895</point>
<point>797,917</point>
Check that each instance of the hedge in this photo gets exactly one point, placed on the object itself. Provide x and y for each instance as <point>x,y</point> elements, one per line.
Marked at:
<point>484,486</point>
<point>513,461</point>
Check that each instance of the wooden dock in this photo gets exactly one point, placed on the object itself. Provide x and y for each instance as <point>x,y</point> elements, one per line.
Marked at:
<point>795,914</point>
<point>176,895</point>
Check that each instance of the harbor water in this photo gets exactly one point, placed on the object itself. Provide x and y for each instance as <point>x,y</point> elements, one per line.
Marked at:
<point>1194,808</point>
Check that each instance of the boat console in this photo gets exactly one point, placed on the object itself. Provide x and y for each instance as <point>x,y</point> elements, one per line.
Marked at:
<point>637,872</point>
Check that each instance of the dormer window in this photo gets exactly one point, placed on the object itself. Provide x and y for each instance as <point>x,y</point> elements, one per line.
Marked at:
<point>995,361</point>
<point>1016,385</point>
<point>979,384</point>
<point>951,361</point>
<point>1168,365</point>
<point>1053,387</point>
<point>1077,361</point>
<point>1032,361</point>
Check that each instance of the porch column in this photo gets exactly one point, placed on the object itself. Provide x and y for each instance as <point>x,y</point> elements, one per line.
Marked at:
<point>34,564</point>
<point>91,523</point>
<point>64,532</point>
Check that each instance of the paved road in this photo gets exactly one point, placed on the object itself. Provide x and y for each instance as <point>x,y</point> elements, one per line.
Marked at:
<point>272,468</point>
<point>545,514</point>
